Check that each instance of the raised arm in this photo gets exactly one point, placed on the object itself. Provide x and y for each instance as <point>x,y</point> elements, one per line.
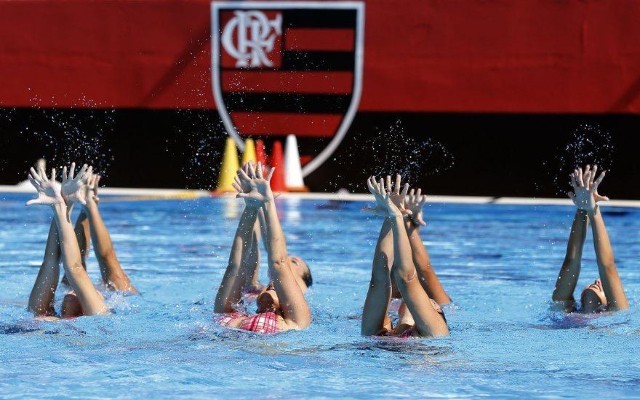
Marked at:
<point>374,314</point>
<point>428,278</point>
<point>49,193</point>
<point>239,271</point>
<point>112,273</point>
<point>41,300</point>
<point>611,283</point>
<point>295,308</point>
<point>427,320</point>
<point>570,270</point>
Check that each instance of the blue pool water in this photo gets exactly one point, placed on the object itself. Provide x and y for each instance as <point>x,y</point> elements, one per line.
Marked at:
<point>498,263</point>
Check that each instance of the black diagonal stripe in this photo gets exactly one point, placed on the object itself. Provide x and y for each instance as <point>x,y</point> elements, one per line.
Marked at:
<point>319,18</point>
<point>317,61</point>
<point>287,102</point>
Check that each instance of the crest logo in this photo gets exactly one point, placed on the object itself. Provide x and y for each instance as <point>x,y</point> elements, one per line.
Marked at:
<point>249,36</point>
<point>290,67</point>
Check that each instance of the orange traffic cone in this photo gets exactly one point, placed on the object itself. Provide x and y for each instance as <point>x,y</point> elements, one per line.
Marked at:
<point>261,154</point>
<point>277,181</point>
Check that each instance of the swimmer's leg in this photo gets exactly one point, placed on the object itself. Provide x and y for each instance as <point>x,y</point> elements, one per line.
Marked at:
<point>41,299</point>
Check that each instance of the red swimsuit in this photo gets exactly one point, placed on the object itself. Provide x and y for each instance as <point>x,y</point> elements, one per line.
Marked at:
<point>261,323</point>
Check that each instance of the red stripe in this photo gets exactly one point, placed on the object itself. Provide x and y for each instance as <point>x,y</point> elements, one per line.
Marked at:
<point>319,39</point>
<point>309,82</point>
<point>309,125</point>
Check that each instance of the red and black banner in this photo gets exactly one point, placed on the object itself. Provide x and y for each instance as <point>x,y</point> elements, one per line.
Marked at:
<point>284,68</point>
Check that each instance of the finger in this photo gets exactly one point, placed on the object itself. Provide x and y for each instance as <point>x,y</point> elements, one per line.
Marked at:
<point>53,174</point>
<point>381,185</point>
<point>594,170</point>
<point>251,172</point>
<point>421,222</point>
<point>243,175</point>
<point>370,185</point>
<point>396,187</point>
<point>574,184</point>
<point>580,177</point>
<point>572,196</point>
<point>72,170</point>
<point>405,189</point>
<point>423,200</point>
<point>33,201</point>
<point>42,172</point>
<point>64,174</point>
<point>97,180</point>
<point>270,174</point>
<point>259,171</point>
<point>237,187</point>
<point>598,181</point>
<point>84,170</point>
<point>35,175</point>
<point>587,179</point>
<point>388,183</point>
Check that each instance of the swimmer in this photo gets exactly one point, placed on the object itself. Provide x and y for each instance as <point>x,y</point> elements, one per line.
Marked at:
<point>281,306</point>
<point>62,244</point>
<point>606,293</point>
<point>395,262</point>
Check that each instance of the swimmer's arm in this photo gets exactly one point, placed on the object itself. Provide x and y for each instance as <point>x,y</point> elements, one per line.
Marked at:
<point>91,301</point>
<point>428,321</point>
<point>428,278</point>
<point>83,236</point>
<point>42,296</point>
<point>570,270</point>
<point>294,306</point>
<point>112,273</point>
<point>611,283</point>
<point>374,313</point>
<point>252,254</point>
<point>237,274</point>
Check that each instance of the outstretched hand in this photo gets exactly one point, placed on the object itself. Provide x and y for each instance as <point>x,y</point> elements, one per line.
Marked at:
<point>74,188</point>
<point>383,198</point>
<point>396,196</point>
<point>585,194</point>
<point>414,204</point>
<point>49,190</point>
<point>93,181</point>
<point>253,186</point>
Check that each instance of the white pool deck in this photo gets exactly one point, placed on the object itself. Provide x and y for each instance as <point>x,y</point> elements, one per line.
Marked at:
<point>124,194</point>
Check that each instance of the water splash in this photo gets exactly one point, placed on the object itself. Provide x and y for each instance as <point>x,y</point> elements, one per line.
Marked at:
<point>589,144</point>
<point>72,135</point>
<point>393,151</point>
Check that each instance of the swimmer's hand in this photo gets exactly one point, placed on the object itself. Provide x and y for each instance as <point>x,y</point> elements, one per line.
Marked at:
<point>398,197</point>
<point>383,198</point>
<point>414,204</point>
<point>74,188</point>
<point>48,189</point>
<point>91,188</point>
<point>585,188</point>
<point>253,186</point>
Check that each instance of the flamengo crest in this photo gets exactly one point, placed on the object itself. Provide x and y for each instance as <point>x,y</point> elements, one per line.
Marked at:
<point>284,68</point>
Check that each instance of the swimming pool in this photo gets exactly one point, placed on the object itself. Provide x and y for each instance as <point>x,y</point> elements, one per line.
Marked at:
<point>498,263</point>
